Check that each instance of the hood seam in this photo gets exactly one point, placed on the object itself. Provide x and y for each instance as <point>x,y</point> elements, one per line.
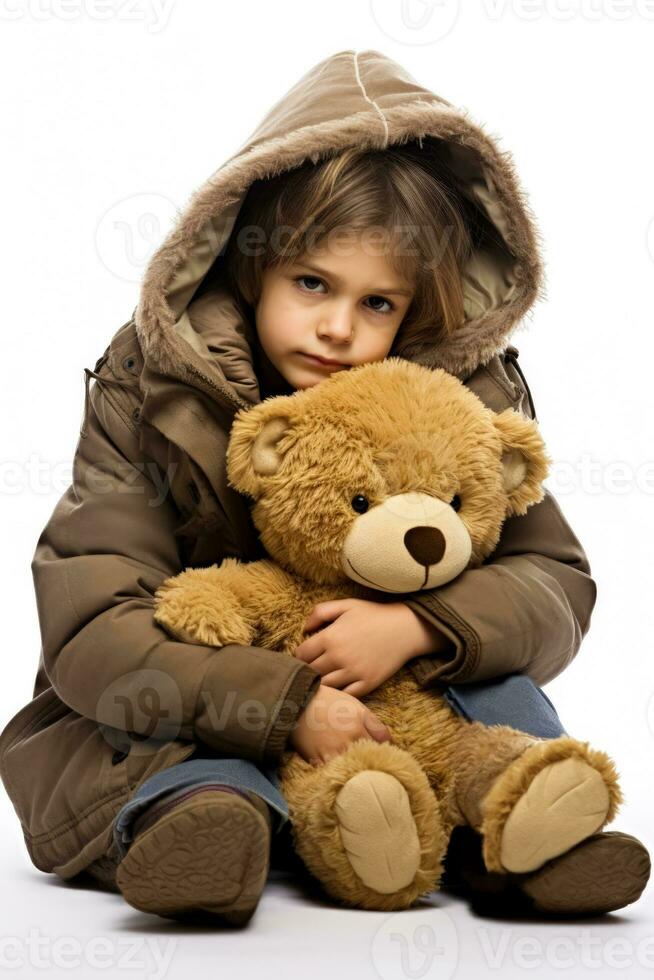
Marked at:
<point>355,59</point>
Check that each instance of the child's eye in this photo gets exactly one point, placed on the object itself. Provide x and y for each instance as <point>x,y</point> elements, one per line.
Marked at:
<point>387,301</point>
<point>302,280</point>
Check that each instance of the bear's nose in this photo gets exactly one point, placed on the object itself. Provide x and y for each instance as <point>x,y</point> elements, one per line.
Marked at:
<point>425,544</point>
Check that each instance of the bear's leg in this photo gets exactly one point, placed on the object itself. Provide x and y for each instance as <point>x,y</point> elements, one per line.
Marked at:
<point>531,799</point>
<point>367,824</point>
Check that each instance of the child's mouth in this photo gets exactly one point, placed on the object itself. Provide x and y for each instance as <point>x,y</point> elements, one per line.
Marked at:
<point>322,364</point>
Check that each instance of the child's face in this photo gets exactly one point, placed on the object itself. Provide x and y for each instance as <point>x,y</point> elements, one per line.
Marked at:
<point>344,304</point>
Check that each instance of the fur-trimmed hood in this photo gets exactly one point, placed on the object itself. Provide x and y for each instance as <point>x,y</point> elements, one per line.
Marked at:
<point>352,98</point>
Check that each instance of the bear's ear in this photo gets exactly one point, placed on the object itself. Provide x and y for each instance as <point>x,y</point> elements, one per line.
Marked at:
<point>254,450</point>
<point>525,463</point>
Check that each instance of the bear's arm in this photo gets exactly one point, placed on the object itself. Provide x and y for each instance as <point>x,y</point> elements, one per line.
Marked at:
<point>228,603</point>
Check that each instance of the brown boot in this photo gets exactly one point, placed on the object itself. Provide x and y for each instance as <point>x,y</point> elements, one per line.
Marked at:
<point>603,873</point>
<point>199,853</point>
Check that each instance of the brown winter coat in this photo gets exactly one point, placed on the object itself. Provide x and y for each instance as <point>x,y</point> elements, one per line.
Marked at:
<point>149,494</point>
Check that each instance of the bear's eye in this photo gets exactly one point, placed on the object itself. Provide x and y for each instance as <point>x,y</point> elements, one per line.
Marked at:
<point>455,502</point>
<point>360,504</point>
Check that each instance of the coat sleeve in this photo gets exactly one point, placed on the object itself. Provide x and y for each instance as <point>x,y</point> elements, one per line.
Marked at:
<point>525,610</point>
<point>107,546</point>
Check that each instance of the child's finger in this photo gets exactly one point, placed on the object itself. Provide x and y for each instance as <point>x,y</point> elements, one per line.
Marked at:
<point>357,688</point>
<point>324,663</point>
<point>324,612</point>
<point>309,649</point>
<point>335,678</point>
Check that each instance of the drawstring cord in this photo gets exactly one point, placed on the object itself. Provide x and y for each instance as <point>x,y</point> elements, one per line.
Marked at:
<point>514,361</point>
<point>88,374</point>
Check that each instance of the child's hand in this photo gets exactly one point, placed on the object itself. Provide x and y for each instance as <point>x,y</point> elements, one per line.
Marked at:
<point>366,643</point>
<point>331,722</point>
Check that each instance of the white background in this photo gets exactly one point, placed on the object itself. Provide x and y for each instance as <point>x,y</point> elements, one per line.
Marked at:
<point>107,102</point>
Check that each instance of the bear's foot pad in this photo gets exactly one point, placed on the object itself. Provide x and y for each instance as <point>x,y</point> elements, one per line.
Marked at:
<point>378,831</point>
<point>565,803</point>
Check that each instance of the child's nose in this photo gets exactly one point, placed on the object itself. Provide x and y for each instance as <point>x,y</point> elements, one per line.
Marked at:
<point>338,326</point>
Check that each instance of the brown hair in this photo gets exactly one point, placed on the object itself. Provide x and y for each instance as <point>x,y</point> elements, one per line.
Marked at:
<point>405,193</point>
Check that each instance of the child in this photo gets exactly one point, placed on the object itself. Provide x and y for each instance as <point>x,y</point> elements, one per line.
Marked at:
<point>139,758</point>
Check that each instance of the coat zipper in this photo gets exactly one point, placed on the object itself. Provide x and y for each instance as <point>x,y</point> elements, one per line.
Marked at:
<point>236,402</point>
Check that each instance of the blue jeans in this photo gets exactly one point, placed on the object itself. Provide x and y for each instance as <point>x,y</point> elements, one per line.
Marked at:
<point>512,700</point>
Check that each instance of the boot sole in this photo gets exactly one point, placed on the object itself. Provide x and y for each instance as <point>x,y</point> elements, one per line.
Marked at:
<point>208,856</point>
<point>603,873</point>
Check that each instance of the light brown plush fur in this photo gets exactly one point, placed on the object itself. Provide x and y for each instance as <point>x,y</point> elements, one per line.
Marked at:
<point>407,438</point>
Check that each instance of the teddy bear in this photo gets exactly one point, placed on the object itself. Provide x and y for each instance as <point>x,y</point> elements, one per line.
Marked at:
<point>382,480</point>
